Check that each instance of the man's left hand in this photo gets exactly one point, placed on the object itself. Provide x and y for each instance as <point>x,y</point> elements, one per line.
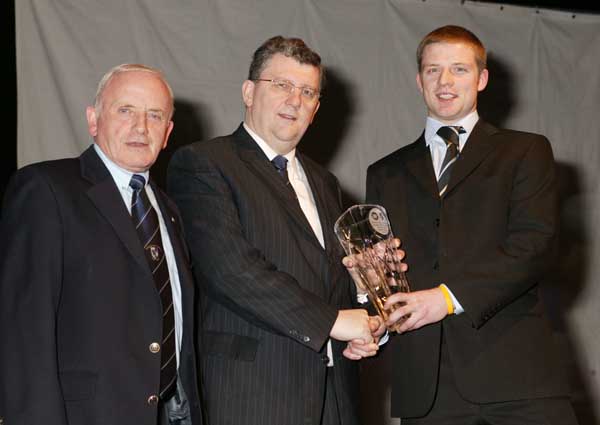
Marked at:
<point>422,307</point>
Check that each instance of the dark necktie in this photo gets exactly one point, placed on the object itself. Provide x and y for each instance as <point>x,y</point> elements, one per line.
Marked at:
<point>280,163</point>
<point>450,135</point>
<point>145,220</point>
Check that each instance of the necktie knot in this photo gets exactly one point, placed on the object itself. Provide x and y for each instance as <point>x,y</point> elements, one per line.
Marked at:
<point>137,182</point>
<point>450,133</point>
<point>280,163</point>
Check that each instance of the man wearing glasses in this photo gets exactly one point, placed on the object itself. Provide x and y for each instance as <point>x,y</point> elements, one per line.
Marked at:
<point>259,215</point>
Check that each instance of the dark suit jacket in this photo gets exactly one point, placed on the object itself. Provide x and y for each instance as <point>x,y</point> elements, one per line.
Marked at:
<point>270,292</point>
<point>489,240</point>
<point>78,306</point>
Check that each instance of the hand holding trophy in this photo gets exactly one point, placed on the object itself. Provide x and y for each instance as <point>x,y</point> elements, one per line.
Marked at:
<point>365,234</point>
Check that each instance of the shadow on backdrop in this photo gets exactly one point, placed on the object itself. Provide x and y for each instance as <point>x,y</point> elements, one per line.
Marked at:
<point>496,102</point>
<point>189,127</point>
<point>565,282</point>
<point>327,133</point>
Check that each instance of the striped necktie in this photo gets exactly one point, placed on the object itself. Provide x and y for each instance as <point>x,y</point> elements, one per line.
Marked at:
<point>145,220</point>
<point>450,135</point>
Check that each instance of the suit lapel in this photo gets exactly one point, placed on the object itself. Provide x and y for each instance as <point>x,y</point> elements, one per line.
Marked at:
<point>177,239</point>
<point>479,145</point>
<point>107,199</point>
<point>170,218</point>
<point>333,252</point>
<point>419,164</point>
<point>260,165</point>
<point>181,253</point>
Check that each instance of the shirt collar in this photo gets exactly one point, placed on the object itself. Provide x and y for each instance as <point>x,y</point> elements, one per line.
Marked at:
<point>432,126</point>
<point>121,176</point>
<point>268,151</point>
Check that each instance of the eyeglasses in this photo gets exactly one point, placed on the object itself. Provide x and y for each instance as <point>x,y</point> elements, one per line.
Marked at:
<point>287,87</point>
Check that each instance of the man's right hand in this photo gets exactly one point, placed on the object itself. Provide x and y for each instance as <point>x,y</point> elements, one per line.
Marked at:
<point>356,349</point>
<point>352,324</point>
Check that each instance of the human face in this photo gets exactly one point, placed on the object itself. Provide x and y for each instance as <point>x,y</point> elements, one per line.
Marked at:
<point>280,118</point>
<point>134,122</point>
<point>449,81</point>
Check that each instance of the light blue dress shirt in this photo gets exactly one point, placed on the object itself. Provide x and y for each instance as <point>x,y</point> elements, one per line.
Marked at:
<point>122,178</point>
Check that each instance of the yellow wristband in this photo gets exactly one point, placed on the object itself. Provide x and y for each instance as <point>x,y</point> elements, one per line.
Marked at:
<point>449,302</point>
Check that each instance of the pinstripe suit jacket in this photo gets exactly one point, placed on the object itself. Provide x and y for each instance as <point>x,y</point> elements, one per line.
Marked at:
<point>269,292</point>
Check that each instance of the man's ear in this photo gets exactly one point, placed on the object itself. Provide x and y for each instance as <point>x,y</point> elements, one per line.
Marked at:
<point>419,82</point>
<point>483,80</point>
<point>248,92</point>
<point>315,112</point>
<point>92,120</point>
<point>167,133</point>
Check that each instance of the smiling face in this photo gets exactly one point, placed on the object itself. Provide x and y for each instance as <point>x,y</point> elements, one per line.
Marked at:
<point>133,122</point>
<point>450,80</point>
<point>281,118</point>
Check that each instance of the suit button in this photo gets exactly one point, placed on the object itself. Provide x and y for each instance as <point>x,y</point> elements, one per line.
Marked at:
<point>154,347</point>
<point>436,266</point>
<point>437,222</point>
<point>153,400</point>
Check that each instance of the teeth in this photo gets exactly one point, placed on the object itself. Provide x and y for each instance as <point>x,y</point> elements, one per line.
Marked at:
<point>446,96</point>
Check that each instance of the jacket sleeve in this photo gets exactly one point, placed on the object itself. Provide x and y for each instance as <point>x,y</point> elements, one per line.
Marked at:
<point>497,277</point>
<point>30,284</point>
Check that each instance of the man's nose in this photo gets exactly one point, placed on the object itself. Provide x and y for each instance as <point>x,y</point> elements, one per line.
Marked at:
<point>141,123</point>
<point>446,77</point>
<point>294,98</point>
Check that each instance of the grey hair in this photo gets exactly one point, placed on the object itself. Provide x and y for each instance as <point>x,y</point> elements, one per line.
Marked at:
<point>130,67</point>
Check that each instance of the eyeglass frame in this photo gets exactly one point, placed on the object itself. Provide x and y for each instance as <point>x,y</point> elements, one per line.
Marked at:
<point>273,81</point>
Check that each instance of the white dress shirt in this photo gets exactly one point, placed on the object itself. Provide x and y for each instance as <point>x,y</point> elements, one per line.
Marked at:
<point>306,199</point>
<point>437,145</point>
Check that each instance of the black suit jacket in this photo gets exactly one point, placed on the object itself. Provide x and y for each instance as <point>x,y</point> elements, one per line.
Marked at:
<point>78,305</point>
<point>490,240</point>
<point>270,291</point>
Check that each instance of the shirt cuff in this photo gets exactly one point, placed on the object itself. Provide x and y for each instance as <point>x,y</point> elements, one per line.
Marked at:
<point>384,338</point>
<point>362,298</point>
<point>458,309</point>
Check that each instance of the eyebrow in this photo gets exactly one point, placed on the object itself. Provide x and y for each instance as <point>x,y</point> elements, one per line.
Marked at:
<point>439,64</point>
<point>129,105</point>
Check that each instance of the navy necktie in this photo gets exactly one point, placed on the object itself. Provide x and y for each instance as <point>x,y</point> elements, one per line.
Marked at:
<point>145,220</point>
<point>280,163</point>
<point>450,135</point>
